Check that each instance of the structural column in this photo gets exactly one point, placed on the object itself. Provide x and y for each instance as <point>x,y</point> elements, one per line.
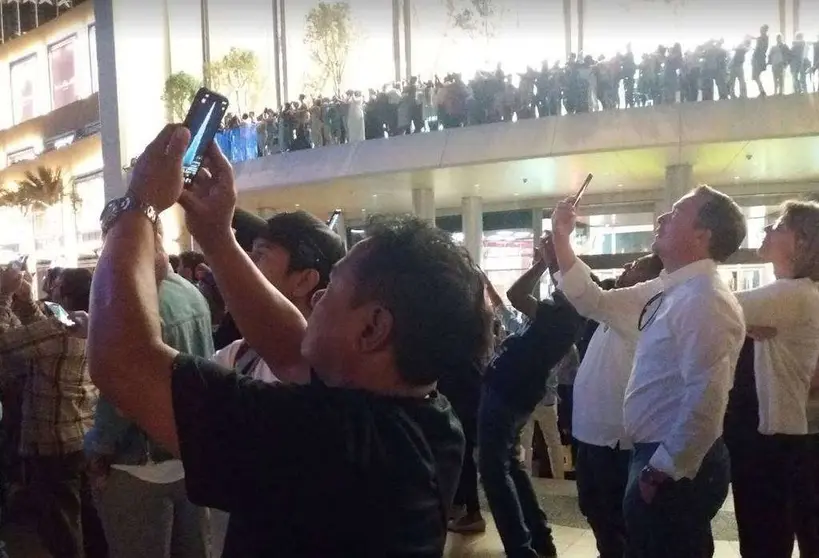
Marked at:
<point>341,229</point>
<point>423,204</point>
<point>472,219</point>
<point>537,233</point>
<point>679,180</point>
<point>128,33</point>
<point>396,37</point>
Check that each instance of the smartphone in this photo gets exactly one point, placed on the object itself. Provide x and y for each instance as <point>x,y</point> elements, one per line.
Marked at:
<point>333,220</point>
<point>582,189</point>
<point>206,113</point>
<point>19,263</point>
<point>59,312</point>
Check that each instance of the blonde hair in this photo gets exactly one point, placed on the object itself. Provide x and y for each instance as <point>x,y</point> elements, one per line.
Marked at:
<point>802,218</point>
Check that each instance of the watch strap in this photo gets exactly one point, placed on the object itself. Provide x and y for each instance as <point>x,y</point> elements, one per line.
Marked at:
<point>116,208</point>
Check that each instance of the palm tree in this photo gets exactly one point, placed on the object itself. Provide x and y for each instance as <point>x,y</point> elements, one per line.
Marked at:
<point>42,189</point>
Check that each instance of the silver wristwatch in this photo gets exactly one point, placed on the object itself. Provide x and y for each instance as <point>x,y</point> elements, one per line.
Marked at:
<point>115,208</point>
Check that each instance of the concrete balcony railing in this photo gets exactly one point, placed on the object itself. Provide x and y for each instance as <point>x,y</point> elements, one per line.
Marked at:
<point>681,125</point>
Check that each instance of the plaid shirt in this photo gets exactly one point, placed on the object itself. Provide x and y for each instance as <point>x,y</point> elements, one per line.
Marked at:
<point>58,397</point>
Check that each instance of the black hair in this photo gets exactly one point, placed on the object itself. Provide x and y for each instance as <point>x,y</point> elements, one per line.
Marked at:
<point>75,288</point>
<point>173,259</point>
<point>434,292</point>
<point>191,259</point>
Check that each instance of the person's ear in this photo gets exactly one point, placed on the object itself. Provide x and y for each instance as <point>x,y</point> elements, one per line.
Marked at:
<point>378,330</point>
<point>306,283</point>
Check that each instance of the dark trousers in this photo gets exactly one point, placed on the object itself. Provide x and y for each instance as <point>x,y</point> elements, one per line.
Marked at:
<point>677,523</point>
<point>56,485</point>
<point>521,523</point>
<point>602,476</point>
<point>807,527</point>
<point>467,493</point>
<point>771,489</point>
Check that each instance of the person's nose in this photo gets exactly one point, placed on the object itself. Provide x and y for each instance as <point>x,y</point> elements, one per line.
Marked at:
<point>317,296</point>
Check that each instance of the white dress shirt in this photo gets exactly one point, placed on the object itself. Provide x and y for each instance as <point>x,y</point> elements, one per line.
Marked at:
<point>684,359</point>
<point>600,386</point>
<point>784,365</point>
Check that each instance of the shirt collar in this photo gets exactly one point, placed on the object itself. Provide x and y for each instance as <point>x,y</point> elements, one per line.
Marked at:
<point>700,267</point>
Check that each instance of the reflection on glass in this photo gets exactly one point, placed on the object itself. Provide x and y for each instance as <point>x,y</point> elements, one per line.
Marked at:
<point>23,78</point>
<point>62,69</point>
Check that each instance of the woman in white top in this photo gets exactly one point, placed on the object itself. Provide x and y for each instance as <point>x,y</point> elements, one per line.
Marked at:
<point>765,463</point>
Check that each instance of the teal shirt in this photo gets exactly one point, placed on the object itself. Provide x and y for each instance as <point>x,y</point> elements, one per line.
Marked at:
<point>186,327</point>
<point>186,323</point>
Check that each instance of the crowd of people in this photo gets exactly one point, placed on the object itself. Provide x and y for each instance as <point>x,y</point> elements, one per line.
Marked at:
<point>280,395</point>
<point>710,71</point>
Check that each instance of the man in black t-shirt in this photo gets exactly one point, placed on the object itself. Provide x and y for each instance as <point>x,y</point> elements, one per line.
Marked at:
<point>514,383</point>
<point>364,462</point>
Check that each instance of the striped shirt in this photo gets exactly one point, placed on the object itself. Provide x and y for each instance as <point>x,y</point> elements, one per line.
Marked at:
<point>58,397</point>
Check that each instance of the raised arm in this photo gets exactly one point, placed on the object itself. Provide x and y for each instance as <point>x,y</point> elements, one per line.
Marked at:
<point>520,293</point>
<point>127,358</point>
<point>617,308</point>
<point>268,321</point>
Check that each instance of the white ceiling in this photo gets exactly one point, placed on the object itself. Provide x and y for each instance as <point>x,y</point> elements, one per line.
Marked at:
<point>735,164</point>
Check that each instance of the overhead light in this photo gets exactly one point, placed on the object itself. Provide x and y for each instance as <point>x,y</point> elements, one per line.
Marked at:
<point>375,195</point>
<point>736,178</point>
<point>619,185</point>
<point>516,194</point>
<point>297,206</point>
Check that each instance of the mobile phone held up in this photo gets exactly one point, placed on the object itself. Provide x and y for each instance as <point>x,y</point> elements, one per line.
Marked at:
<point>59,312</point>
<point>206,113</point>
<point>582,189</point>
<point>333,220</point>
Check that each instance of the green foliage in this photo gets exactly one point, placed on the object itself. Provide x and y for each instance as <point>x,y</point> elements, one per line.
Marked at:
<point>40,190</point>
<point>475,17</point>
<point>328,34</point>
<point>235,75</point>
<point>180,88</point>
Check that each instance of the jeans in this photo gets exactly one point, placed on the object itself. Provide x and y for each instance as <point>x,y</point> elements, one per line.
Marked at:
<point>677,523</point>
<point>602,475</point>
<point>521,523</point>
<point>147,519</point>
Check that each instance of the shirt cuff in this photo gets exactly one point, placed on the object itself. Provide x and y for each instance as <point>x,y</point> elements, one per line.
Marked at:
<point>662,461</point>
<point>574,282</point>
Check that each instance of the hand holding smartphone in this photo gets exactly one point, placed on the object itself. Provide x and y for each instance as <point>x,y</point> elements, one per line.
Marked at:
<point>206,113</point>
<point>582,190</point>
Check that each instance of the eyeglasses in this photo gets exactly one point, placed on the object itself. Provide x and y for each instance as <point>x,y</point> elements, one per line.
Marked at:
<point>650,310</point>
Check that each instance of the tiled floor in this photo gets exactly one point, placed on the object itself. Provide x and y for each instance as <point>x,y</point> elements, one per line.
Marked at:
<point>571,542</point>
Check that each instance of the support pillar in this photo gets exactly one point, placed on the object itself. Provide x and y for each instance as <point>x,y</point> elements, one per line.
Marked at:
<point>396,38</point>
<point>128,33</point>
<point>472,219</point>
<point>283,39</point>
<point>567,27</point>
<point>277,74</point>
<point>679,180</point>
<point>423,204</point>
<point>408,37</point>
<point>537,233</point>
<point>205,42</point>
<point>341,230</point>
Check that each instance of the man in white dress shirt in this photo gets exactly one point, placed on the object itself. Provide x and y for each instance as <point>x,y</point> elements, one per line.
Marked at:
<point>691,330</point>
<point>603,450</point>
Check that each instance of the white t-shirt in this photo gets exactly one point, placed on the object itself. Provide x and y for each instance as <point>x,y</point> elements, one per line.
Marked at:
<point>227,357</point>
<point>166,472</point>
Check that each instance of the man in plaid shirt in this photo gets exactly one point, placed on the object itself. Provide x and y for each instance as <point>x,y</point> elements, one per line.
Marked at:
<point>58,408</point>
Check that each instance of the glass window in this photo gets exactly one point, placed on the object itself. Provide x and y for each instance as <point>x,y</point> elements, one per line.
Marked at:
<point>92,49</point>
<point>23,85</point>
<point>62,68</point>
<point>21,155</point>
<point>506,255</point>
